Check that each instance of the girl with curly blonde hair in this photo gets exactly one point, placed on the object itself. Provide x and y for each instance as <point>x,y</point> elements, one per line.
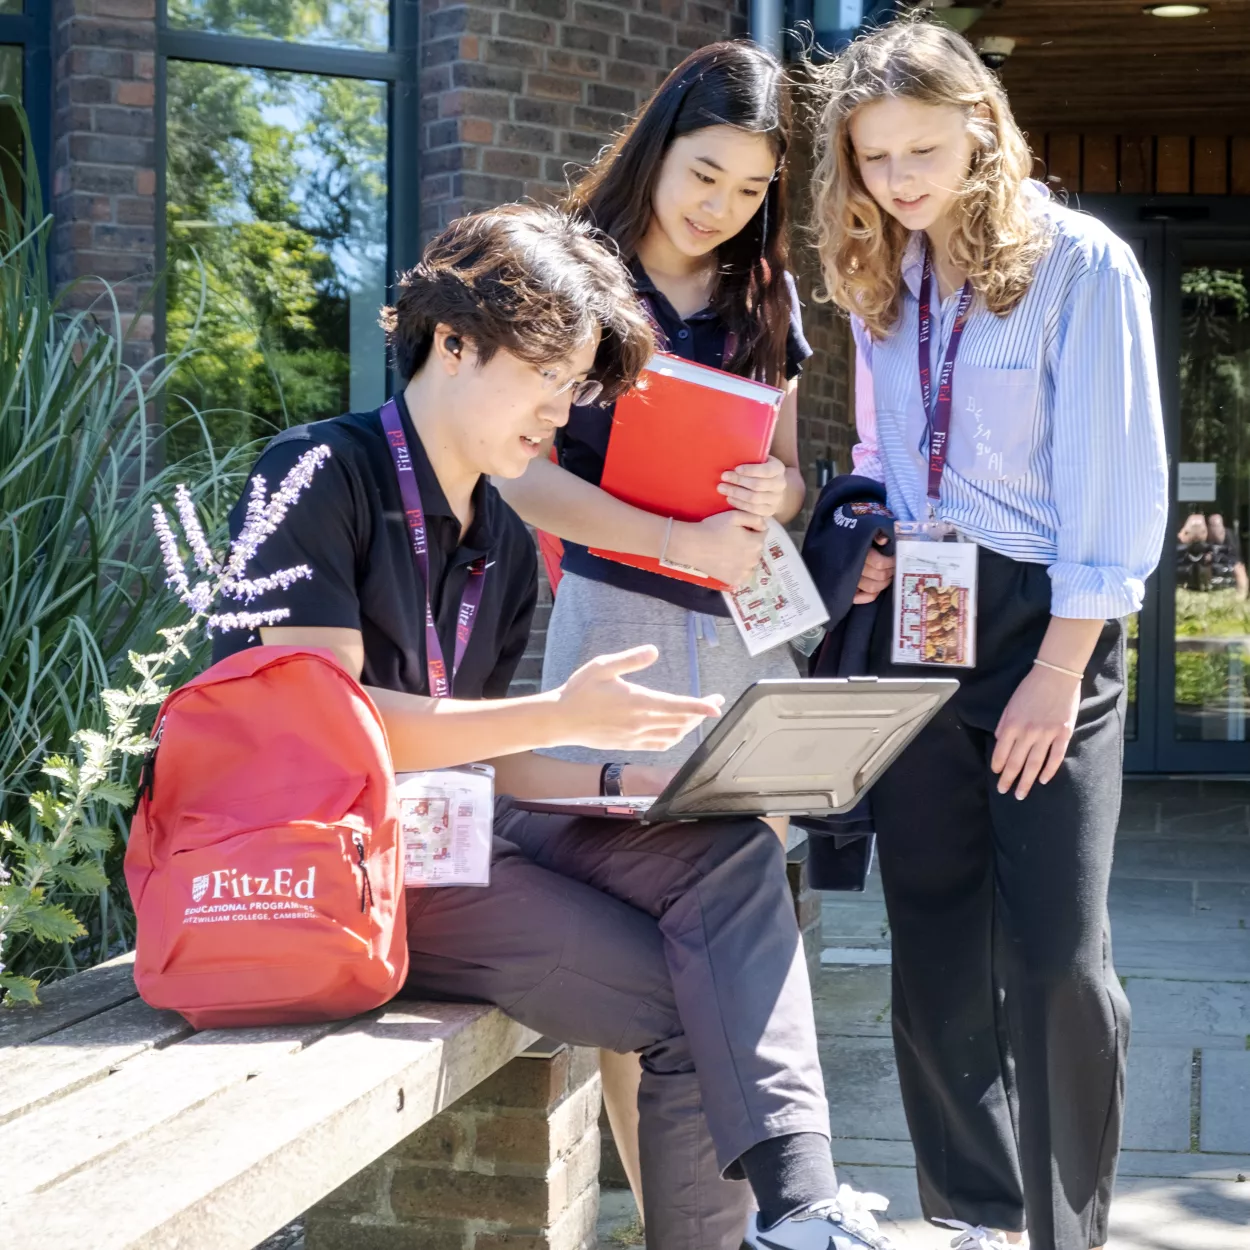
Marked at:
<point>1007,391</point>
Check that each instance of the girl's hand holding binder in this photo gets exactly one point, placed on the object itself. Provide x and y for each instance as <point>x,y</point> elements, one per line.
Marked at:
<point>726,546</point>
<point>756,488</point>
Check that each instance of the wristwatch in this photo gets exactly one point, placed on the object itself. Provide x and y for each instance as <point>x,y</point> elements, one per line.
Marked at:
<point>610,781</point>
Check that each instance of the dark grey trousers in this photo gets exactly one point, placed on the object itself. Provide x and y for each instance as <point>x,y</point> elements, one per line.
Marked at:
<point>678,942</point>
<point>1010,1026</point>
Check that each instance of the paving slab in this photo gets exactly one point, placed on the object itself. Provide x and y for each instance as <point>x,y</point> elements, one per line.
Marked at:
<point>1147,1214</point>
<point>1191,860</point>
<point>855,956</point>
<point>1225,900</point>
<point>860,919</point>
<point>1226,1103</point>
<point>1132,896</point>
<point>1180,1215</point>
<point>1157,1101</point>
<point>618,1221</point>
<point>853,1001</point>
<point>1190,1165</point>
<point>1222,957</point>
<point>1178,819</point>
<point>862,1085</point>
<point>1210,1008</point>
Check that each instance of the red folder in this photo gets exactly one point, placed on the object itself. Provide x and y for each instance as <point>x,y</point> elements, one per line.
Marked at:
<point>673,438</point>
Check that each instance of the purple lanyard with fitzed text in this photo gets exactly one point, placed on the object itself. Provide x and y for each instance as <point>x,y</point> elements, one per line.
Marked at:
<point>440,681</point>
<point>938,415</point>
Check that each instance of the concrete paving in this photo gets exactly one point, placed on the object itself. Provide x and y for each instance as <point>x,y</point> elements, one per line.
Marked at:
<point>1180,906</point>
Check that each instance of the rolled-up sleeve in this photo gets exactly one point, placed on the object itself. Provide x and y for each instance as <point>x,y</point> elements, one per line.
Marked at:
<point>866,454</point>
<point>1110,477</point>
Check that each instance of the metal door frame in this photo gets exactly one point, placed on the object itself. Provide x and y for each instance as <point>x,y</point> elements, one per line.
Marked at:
<point>1163,225</point>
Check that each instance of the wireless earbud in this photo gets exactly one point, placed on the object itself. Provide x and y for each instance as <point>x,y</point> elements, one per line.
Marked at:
<point>454,345</point>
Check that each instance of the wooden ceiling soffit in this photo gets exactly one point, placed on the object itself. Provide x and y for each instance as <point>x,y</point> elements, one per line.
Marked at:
<point>1104,65</point>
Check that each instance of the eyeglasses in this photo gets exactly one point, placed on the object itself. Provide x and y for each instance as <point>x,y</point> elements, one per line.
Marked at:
<point>581,393</point>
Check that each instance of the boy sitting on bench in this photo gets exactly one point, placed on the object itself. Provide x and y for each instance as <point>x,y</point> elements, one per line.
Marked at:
<point>675,941</point>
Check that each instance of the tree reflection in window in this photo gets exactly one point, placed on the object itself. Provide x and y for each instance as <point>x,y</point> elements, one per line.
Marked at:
<point>359,24</point>
<point>277,244</point>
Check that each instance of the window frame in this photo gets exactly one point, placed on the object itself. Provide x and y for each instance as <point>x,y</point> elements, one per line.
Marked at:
<point>398,68</point>
<point>31,30</point>
<point>802,12</point>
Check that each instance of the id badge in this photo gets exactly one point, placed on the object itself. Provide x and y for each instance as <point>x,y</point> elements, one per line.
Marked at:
<point>935,596</point>
<point>445,819</point>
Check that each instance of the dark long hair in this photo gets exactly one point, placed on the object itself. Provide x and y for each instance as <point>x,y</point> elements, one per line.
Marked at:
<point>723,84</point>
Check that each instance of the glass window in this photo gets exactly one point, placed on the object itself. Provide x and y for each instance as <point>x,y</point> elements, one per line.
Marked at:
<point>1212,589</point>
<point>276,194</point>
<point>10,6</point>
<point>10,128</point>
<point>359,24</point>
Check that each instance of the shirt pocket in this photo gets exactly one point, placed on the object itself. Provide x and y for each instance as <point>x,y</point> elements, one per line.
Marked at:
<point>993,416</point>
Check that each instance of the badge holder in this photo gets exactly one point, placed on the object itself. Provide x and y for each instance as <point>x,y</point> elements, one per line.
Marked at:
<point>445,819</point>
<point>935,596</point>
<point>935,571</point>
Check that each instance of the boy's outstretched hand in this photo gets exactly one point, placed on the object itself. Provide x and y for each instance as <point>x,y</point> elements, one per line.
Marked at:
<point>598,708</point>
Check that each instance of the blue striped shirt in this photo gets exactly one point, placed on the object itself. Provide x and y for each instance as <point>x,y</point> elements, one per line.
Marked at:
<point>1056,451</point>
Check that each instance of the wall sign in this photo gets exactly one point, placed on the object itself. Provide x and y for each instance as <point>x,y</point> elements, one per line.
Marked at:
<point>1195,482</point>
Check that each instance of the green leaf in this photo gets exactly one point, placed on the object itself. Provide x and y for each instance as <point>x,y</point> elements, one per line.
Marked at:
<point>12,835</point>
<point>53,922</point>
<point>19,990</point>
<point>85,876</point>
<point>118,703</point>
<point>13,898</point>
<point>60,768</point>
<point>95,745</point>
<point>48,809</point>
<point>92,838</point>
<point>114,792</point>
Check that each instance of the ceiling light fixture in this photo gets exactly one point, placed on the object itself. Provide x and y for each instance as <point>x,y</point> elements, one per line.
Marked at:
<point>1175,10</point>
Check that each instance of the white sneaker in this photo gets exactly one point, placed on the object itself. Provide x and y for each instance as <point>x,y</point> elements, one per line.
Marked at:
<point>847,1222</point>
<point>977,1237</point>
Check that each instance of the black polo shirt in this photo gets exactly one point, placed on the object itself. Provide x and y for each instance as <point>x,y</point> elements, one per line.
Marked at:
<point>583,442</point>
<point>349,528</point>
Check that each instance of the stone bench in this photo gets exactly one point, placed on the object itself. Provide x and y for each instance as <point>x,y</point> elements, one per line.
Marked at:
<point>121,1127</point>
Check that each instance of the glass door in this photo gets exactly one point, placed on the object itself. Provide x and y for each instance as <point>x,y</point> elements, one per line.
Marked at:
<point>1189,647</point>
<point>1210,598</point>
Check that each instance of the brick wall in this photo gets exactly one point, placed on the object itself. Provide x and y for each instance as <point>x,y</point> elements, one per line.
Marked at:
<point>514,1163</point>
<point>516,90</point>
<point>104,158</point>
<point>826,421</point>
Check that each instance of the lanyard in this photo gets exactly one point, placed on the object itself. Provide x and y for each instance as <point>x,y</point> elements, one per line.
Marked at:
<point>436,668</point>
<point>938,415</point>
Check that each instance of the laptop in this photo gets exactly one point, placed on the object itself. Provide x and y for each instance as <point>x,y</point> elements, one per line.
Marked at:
<point>804,747</point>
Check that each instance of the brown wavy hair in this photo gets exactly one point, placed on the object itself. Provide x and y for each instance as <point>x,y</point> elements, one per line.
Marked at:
<point>723,84</point>
<point>998,238</point>
<point>528,280</point>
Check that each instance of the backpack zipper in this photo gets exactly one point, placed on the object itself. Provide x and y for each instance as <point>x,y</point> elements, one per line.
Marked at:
<point>147,772</point>
<point>366,887</point>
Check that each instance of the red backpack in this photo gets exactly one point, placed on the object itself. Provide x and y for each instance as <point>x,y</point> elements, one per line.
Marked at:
<point>265,861</point>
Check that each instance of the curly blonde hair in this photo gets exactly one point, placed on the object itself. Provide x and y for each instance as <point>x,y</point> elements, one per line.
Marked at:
<point>998,238</point>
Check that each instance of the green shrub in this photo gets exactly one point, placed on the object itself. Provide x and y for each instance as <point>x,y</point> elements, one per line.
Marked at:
<point>82,437</point>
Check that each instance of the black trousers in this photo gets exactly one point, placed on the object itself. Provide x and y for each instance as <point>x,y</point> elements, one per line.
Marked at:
<point>1010,1026</point>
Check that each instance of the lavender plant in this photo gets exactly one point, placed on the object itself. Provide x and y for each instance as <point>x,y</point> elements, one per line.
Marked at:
<point>70,835</point>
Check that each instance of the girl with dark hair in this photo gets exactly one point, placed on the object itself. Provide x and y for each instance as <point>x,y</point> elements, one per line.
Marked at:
<point>693,195</point>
